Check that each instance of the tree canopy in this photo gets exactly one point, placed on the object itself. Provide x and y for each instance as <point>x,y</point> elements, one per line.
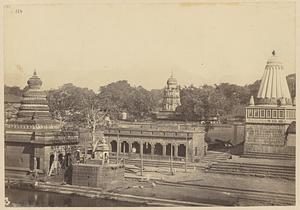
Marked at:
<point>72,104</point>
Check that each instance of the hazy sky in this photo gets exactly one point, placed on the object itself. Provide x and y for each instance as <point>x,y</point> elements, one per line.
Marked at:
<point>93,45</point>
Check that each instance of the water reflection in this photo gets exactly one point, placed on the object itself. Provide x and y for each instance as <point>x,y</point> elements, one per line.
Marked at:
<point>27,198</point>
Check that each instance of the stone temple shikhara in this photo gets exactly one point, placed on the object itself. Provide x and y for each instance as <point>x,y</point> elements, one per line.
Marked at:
<point>171,97</point>
<point>270,115</point>
<point>171,100</point>
<point>34,141</point>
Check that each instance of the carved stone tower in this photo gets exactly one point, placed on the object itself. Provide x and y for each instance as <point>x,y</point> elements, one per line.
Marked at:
<point>268,118</point>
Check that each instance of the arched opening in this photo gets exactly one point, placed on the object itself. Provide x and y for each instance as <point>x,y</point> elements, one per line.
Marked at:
<point>168,150</point>
<point>77,155</point>
<point>181,150</point>
<point>136,147</point>
<point>51,159</point>
<point>124,145</point>
<point>60,158</point>
<point>158,149</point>
<point>147,148</point>
<point>113,145</point>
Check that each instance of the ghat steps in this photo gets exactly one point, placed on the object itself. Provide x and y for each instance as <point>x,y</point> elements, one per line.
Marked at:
<point>156,163</point>
<point>215,156</point>
<point>269,156</point>
<point>252,169</point>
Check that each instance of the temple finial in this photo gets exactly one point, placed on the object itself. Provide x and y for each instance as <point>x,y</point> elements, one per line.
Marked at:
<point>172,73</point>
<point>34,73</point>
<point>273,53</point>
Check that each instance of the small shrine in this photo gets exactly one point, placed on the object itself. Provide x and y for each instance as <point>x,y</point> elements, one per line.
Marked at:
<point>102,152</point>
<point>98,171</point>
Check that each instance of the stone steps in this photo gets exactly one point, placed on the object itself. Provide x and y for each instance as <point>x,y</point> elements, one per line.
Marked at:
<point>279,176</point>
<point>213,156</point>
<point>269,156</point>
<point>158,164</point>
<point>161,164</point>
<point>250,169</point>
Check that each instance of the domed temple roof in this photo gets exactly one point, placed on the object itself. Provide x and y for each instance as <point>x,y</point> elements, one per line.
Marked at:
<point>34,104</point>
<point>273,87</point>
<point>34,81</point>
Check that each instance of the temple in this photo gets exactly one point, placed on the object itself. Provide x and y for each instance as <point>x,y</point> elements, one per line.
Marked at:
<point>271,114</point>
<point>171,100</point>
<point>33,141</point>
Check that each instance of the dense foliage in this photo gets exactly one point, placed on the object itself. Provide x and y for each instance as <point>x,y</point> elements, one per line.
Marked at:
<point>83,106</point>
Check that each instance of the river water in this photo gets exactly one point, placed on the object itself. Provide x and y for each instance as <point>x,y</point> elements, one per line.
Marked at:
<point>31,198</point>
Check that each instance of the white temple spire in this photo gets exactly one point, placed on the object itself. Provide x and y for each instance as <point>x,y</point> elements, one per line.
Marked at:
<point>273,85</point>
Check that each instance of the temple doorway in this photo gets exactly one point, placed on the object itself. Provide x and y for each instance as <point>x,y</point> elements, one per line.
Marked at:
<point>51,160</point>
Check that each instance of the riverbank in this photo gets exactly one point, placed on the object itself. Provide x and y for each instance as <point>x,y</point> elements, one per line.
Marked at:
<point>99,193</point>
<point>183,189</point>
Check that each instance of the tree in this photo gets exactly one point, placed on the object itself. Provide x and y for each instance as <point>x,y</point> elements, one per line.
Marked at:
<point>16,91</point>
<point>67,103</point>
<point>137,101</point>
<point>96,108</point>
<point>291,80</point>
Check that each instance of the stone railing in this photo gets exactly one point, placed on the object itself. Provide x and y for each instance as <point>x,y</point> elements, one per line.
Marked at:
<point>148,133</point>
<point>145,156</point>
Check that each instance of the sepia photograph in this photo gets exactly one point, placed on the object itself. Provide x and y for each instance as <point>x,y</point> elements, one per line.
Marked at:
<point>149,103</point>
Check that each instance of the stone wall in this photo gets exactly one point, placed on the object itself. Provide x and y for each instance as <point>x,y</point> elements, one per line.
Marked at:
<point>18,155</point>
<point>233,133</point>
<point>199,147</point>
<point>266,138</point>
<point>97,176</point>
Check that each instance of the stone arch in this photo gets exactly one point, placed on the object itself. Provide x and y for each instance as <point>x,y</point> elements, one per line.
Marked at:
<point>147,148</point>
<point>158,149</point>
<point>60,158</point>
<point>168,150</point>
<point>181,150</point>
<point>136,145</point>
<point>124,143</point>
<point>113,146</point>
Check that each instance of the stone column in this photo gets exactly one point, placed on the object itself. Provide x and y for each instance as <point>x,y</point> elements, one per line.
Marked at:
<point>175,150</point>
<point>130,147</point>
<point>109,146</point>
<point>164,149</point>
<point>152,148</point>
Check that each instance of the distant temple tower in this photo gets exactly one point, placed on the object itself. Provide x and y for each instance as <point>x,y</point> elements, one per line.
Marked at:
<point>268,118</point>
<point>171,98</point>
<point>34,141</point>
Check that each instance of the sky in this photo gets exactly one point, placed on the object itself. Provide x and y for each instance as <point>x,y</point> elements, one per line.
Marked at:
<point>91,45</point>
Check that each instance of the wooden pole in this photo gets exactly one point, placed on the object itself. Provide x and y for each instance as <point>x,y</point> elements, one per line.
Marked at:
<point>186,146</point>
<point>171,159</point>
<point>85,151</point>
<point>142,161</point>
<point>118,142</point>
<point>124,153</point>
